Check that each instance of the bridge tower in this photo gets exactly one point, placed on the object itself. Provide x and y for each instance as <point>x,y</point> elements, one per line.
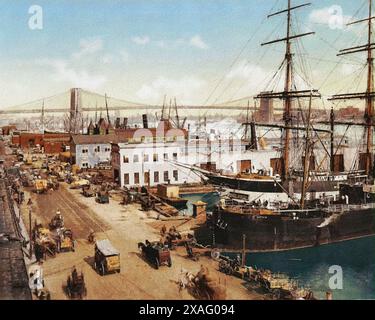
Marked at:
<point>75,109</point>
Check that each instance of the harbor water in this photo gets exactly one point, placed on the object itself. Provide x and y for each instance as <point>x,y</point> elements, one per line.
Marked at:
<point>211,198</point>
<point>310,266</point>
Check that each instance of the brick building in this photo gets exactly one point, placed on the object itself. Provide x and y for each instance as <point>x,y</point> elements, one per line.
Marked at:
<point>8,130</point>
<point>51,143</point>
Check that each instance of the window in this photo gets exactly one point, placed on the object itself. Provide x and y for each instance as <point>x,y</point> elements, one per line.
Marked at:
<point>165,156</point>
<point>145,158</point>
<point>156,176</point>
<point>175,175</point>
<point>155,157</point>
<point>175,156</point>
<point>126,178</point>
<point>97,149</point>
<point>135,158</point>
<point>126,159</point>
<point>147,177</point>
<point>107,149</point>
<point>136,178</point>
<point>166,176</point>
<point>85,150</point>
<point>85,165</point>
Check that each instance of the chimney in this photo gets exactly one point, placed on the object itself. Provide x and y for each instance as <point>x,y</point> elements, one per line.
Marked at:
<point>145,121</point>
<point>117,123</point>
<point>125,123</point>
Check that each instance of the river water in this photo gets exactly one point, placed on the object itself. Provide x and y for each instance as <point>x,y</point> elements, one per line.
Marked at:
<point>310,266</point>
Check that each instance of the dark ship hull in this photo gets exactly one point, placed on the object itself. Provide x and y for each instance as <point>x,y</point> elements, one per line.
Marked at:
<point>270,186</point>
<point>264,186</point>
<point>272,233</point>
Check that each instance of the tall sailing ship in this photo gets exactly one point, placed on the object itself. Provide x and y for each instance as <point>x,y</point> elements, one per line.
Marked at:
<point>306,220</point>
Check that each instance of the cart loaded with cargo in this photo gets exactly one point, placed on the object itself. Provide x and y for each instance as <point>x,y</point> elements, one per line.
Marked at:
<point>107,258</point>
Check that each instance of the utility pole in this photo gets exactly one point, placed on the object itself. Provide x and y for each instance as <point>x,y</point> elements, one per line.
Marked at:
<point>29,205</point>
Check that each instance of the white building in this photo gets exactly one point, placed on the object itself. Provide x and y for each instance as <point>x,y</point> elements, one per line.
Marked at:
<point>149,164</point>
<point>152,163</point>
<point>90,150</point>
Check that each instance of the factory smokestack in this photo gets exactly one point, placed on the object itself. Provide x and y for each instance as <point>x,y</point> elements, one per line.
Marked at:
<point>145,121</point>
<point>118,123</point>
<point>125,123</point>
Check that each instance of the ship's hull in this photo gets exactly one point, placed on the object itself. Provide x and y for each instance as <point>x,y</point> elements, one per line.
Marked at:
<point>283,233</point>
<point>263,186</point>
<point>271,186</point>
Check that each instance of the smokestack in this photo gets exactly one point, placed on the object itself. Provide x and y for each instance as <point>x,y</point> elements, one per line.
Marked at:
<point>125,123</point>
<point>117,123</point>
<point>145,121</point>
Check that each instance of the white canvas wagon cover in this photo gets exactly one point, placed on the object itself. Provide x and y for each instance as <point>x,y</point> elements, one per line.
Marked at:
<point>106,248</point>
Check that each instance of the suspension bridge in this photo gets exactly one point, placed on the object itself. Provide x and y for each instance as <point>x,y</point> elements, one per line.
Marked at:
<point>79,100</point>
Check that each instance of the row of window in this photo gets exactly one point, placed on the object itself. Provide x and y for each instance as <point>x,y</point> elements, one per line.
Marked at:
<point>97,149</point>
<point>147,177</point>
<point>146,157</point>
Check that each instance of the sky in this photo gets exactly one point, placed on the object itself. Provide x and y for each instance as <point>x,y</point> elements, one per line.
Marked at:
<point>202,52</point>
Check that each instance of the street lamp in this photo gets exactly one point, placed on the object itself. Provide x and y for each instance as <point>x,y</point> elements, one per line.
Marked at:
<point>29,205</point>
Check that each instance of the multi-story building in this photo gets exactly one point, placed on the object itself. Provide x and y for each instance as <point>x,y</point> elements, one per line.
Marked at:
<point>156,156</point>
<point>88,151</point>
<point>149,163</point>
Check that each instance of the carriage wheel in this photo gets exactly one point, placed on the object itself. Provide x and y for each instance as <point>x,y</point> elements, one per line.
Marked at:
<point>102,269</point>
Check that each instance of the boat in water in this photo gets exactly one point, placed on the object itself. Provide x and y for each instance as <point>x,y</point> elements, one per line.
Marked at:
<point>261,226</point>
<point>322,206</point>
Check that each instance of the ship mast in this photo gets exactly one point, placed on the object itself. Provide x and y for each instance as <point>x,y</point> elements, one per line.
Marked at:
<point>306,162</point>
<point>369,99</point>
<point>369,94</point>
<point>332,153</point>
<point>288,88</point>
<point>288,94</point>
<point>106,107</point>
<point>42,119</point>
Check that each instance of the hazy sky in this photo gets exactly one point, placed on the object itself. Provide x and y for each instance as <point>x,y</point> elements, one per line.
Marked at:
<point>141,50</point>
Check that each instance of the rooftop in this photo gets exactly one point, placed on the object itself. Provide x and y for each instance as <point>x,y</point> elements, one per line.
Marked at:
<point>94,139</point>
